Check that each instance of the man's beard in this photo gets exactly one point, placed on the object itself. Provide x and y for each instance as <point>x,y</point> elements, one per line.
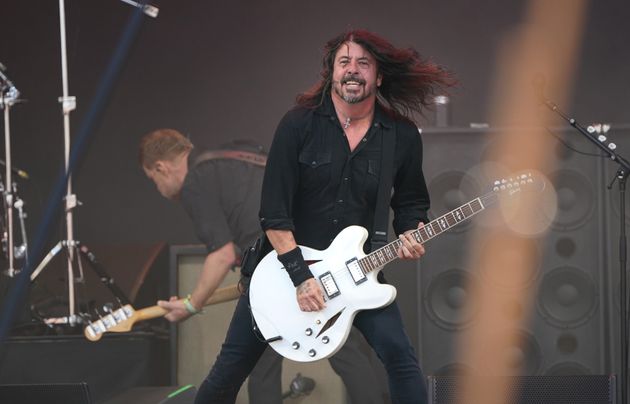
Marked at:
<point>352,98</point>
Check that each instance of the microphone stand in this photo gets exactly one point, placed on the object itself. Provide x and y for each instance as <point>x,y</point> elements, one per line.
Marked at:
<point>621,176</point>
<point>68,104</point>
<point>72,246</point>
<point>8,97</point>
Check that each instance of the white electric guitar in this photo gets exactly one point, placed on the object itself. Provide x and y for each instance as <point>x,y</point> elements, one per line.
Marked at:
<point>347,277</point>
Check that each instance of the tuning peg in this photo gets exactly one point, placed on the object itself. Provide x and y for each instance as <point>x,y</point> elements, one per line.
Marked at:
<point>120,315</point>
<point>123,313</point>
<point>96,328</point>
<point>107,320</point>
<point>108,307</point>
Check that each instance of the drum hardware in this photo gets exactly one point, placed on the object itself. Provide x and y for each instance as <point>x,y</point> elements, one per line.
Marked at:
<point>9,96</point>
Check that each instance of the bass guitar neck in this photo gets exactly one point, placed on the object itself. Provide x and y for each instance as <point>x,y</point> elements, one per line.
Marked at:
<point>123,319</point>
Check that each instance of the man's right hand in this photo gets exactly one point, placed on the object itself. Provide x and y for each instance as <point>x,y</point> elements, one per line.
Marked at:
<point>176,309</point>
<point>310,296</point>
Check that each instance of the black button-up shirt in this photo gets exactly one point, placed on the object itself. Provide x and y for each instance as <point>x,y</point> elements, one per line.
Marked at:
<point>315,186</point>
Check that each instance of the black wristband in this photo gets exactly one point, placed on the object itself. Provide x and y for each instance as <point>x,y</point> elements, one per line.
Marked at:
<point>295,265</point>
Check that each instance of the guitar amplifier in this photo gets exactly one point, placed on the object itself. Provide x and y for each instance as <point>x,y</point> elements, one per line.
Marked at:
<point>196,342</point>
<point>582,389</point>
<point>67,393</point>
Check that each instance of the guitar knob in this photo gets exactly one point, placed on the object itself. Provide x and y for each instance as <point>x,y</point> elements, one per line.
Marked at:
<point>325,340</point>
<point>312,353</point>
<point>309,331</point>
<point>296,345</point>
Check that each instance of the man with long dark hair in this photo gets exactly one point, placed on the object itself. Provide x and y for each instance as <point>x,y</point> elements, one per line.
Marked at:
<point>322,175</point>
<point>220,191</point>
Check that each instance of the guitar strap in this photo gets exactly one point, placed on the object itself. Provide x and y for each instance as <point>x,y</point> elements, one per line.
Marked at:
<point>384,193</point>
<point>256,159</point>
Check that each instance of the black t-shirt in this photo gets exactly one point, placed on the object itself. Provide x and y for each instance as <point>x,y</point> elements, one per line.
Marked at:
<point>315,186</point>
<point>222,197</point>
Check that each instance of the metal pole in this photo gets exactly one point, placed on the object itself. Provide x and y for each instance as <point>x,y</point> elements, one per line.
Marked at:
<point>68,104</point>
<point>5,102</point>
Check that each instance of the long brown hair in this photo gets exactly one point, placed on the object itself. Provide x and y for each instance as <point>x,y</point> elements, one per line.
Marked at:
<point>409,81</point>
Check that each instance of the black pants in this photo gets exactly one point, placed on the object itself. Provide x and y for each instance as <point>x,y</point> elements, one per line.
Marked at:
<point>356,364</point>
<point>382,329</point>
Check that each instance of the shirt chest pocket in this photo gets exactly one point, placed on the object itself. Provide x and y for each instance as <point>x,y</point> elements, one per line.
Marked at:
<point>315,168</point>
<point>374,168</point>
<point>366,173</point>
<point>370,185</point>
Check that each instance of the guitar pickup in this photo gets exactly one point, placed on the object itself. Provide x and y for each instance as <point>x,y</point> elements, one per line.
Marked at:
<point>358,276</point>
<point>329,284</point>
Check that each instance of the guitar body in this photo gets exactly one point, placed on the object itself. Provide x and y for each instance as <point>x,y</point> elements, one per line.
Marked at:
<point>311,336</point>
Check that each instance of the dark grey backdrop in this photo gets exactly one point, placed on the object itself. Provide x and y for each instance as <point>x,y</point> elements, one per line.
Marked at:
<point>220,70</point>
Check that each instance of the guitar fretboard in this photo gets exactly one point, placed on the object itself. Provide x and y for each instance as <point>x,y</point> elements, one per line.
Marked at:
<point>388,253</point>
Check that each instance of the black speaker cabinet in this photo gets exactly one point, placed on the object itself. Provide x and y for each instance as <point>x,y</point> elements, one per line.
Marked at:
<point>569,331</point>
<point>584,389</point>
<point>67,393</point>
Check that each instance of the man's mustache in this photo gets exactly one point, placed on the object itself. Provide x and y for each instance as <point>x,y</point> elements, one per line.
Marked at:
<point>352,77</point>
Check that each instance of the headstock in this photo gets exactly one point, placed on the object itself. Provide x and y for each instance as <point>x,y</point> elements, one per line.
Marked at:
<point>120,320</point>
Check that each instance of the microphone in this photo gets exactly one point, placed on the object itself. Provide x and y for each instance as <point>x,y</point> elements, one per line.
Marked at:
<point>147,9</point>
<point>17,171</point>
<point>300,386</point>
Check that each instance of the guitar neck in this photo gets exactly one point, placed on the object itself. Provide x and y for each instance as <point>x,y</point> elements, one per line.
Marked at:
<point>388,253</point>
<point>220,295</point>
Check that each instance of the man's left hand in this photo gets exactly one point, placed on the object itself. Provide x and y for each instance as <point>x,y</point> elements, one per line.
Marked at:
<point>410,249</point>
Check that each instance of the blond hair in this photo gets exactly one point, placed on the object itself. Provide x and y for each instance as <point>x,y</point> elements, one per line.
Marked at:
<point>162,144</point>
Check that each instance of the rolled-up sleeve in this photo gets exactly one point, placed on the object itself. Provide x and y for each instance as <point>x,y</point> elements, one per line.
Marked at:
<point>281,176</point>
<point>410,201</point>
